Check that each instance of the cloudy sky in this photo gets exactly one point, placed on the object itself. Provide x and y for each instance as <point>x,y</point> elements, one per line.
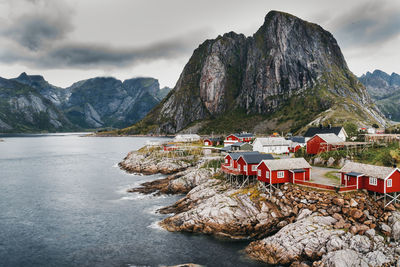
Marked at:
<point>71,40</point>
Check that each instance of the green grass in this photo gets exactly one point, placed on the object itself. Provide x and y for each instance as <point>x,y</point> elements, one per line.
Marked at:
<point>331,175</point>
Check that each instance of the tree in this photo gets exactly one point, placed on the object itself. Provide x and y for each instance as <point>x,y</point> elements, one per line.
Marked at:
<point>351,129</point>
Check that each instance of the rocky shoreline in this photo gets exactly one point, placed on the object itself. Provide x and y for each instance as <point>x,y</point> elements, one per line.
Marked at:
<point>291,226</point>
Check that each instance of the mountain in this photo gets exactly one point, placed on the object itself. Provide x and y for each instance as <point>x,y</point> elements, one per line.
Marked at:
<point>24,109</point>
<point>385,91</point>
<point>30,103</point>
<point>106,101</point>
<point>290,73</point>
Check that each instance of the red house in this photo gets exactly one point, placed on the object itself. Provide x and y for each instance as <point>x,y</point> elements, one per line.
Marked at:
<point>247,163</point>
<point>230,164</point>
<point>373,178</point>
<point>212,142</point>
<point>279,171</point>
<point>170,147</point>
<point>294,148</point>
<point>243,137</point>
<point>323,143</point>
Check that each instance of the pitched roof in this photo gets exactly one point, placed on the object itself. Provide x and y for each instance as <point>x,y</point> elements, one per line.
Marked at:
<point>236,155</point>
<point>330,138</point>
<point>239,144</point>
<point>367,169</point>
<point>316,130</point>
<point>243,134</point>
<point>273,141</point>
<point>213,139</point>
<point>286,164</point>
<point>298,139</point>
<point>256,158</point>
<point>226,148</point>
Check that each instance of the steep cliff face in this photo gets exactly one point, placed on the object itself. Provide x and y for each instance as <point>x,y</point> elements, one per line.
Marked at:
<point>282,77</point>
<point>30,103</point>
<point>23,109</point>
<point>385,91</point>
<point>106,101</point>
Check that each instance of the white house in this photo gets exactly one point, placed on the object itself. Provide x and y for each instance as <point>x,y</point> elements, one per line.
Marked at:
<point>186,138</point>
<point>277,145</point>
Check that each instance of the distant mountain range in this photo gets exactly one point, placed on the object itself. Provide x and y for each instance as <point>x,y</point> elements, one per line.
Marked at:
<point>29,103</point>
<point>289,74</point>
<point>385,91</point>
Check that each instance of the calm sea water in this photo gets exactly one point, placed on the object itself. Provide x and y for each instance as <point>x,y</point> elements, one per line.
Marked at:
<point>63,202</point>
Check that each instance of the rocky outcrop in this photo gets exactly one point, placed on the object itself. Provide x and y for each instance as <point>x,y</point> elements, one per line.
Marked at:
<point>152,163</point>
<point>179,183</point>
<point>214,208</point>
<point>315,237</point>
<point>288,61</point>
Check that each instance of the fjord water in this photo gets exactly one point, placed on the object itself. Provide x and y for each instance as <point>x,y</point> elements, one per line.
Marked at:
<point>63,202</point>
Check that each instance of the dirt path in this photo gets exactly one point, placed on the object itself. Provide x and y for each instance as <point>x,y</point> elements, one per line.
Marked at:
<point>318,176</point>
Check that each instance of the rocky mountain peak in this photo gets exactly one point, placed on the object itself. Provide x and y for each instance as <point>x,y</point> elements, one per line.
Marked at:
<point>263,78</point>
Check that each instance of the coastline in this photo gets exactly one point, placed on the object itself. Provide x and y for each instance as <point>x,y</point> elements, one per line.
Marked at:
<point>293,225</point>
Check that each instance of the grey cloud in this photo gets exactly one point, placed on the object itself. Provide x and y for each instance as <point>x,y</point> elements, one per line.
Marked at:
<point>369,23</point>
<point>35,31</point>
<point>82,55</point>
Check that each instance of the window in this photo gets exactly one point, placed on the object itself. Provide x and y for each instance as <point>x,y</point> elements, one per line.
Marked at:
<point>259,173</point>
<point>389,183</point>
<point>245,168</point>
<point>281,174</point>
<point>254,168</point>
<point>226,161</point>
<point>267,174</point>
<point>373,181</point>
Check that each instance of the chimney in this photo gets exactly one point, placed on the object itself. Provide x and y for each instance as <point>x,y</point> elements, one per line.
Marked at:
<point>320,126</point>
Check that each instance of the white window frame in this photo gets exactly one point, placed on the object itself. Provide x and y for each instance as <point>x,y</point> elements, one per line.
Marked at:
<point>389,183</point>
<point>373,181</point>
<point>226,161</point>
<point>281,174</point>
<point>254,168</point>
<point>267,174</point>
<point>245,168</point>
<point>259,172</point>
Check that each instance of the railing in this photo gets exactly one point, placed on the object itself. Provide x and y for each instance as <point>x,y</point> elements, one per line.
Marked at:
<point>230,170</point>
<point>326,187</point>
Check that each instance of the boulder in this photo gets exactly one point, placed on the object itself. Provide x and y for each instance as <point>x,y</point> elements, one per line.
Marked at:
<point>342,258</point>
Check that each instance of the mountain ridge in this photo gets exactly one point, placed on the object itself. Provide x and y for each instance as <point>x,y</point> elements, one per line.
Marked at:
<point>385,91</point>
<point>88,104</point>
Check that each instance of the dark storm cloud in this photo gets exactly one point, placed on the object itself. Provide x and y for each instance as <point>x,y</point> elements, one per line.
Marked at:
<point>38,37</point>
<point>36,30</point>
<point>369,23</point>
<point>81,55</point>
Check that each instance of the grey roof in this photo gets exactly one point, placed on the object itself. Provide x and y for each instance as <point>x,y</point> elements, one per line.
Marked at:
<point>236,155</point>
<point>367,169</point>
<point>243,135</point>
<point>287,164</point>
<point>226,148</point>
<point>298,139</point>
<point>273,141</point>
<point>213,139</point>
<point>330,138</point>
<point>317,130</point>
<point>256,158</point>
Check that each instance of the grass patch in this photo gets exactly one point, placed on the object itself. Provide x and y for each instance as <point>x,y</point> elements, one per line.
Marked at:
<point>331,175</point>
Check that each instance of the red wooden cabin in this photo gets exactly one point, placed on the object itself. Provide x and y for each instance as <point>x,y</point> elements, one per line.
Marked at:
<point>294,148</point>
<point>247,163</point>
<point>212,141</point>
<point>243,137</point>
<point>323,143</point>
<point>170,147</point>
<point>230,163</point>
<point>370,177</point>
<point>283,170</point>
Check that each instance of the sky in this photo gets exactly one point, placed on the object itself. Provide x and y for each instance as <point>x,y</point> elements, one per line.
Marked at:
<point>71,40</point>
